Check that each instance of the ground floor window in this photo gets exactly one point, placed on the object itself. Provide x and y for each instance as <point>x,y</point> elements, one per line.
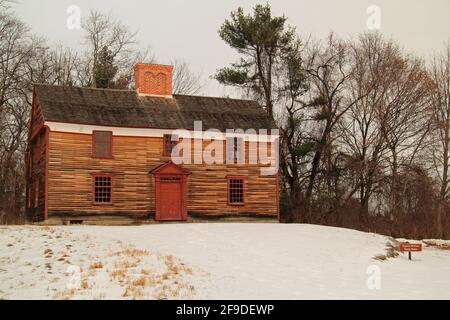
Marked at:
<point>236,190</point>
<point>102,185</point>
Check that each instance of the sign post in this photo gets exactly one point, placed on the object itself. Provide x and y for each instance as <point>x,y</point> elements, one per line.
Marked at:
<point>410,247</point>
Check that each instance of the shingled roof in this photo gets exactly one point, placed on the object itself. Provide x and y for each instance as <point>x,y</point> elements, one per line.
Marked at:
<point>109,107</point>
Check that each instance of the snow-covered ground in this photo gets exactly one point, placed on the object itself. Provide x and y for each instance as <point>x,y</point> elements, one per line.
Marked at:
<point>213,261</point>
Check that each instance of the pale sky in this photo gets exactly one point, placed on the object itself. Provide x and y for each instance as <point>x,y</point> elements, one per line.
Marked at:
<point>187,29</point>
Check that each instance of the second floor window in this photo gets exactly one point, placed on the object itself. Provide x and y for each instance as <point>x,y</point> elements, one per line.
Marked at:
<point>170,141</point>
<point>102,144</point>
<point>235,147</point>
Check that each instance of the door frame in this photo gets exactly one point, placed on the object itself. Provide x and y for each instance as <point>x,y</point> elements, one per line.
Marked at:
<point>169,169</point>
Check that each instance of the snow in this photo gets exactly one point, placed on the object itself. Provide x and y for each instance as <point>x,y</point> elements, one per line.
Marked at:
<point>213,261</point>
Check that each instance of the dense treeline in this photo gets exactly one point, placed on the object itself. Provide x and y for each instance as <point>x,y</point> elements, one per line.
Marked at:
<point>364,124</point>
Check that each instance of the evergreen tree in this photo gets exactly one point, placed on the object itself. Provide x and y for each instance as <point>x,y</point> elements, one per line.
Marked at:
<point>261,40</point>
<point>104,69</point>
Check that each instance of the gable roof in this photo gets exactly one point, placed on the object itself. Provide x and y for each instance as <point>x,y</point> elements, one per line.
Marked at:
<point>169,168</point>
<point>127,108</point>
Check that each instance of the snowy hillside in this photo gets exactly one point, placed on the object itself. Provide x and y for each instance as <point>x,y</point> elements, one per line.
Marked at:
<point>213,261</point>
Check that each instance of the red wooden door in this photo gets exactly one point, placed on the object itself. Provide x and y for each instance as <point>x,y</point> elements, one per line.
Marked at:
<point>170,192</point>
<point>171,198</point>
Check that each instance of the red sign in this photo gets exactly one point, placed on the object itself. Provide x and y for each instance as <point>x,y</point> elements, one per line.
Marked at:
<point>410,247</point>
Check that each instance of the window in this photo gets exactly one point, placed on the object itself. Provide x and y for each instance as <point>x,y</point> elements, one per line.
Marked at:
<point>36,193</point>
<point>169,143</point>
<point>102,188</point>
<point>170,179</point>
<point>235,148</point>
<point>102,144</point>
<point>236,190</point>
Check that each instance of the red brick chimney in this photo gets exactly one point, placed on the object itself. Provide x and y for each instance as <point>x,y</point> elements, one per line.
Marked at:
<point>154,79</point>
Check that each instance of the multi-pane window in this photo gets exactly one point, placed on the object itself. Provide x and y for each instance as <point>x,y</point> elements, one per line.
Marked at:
<point>102,189</point>
<point>235,148</point>
<point>102,144</point>
<point>236,190</point>
<point>170,141</point>
<point>170,179</point>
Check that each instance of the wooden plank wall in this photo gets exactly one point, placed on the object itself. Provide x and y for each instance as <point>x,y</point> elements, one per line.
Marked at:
<point>70,184</point>
<point>36,172</point>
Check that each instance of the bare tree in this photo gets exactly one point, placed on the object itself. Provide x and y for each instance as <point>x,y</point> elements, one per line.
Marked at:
<point>17,49</point>
<point>440,71</point>
<point>184,80</point>
<point>384,132</point>
<point>404,118</point>
<point>440,141</point>
<point>360,135</point>
<point>295,139</point>
<point>329,68</point>
<point>104,31</point>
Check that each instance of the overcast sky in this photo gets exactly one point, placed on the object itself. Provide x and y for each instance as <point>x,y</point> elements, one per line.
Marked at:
<point>188,29</point>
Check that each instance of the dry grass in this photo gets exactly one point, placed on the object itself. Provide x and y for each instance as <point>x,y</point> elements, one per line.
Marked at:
<point>437,245</point>
<point>131,252</point>
<point>392,248</point>
<point>65,295</point>
<point>140,282</point>
<point>119,274</point>
<point>96,265</point>
<point>161,295</point>
<point>176,268</point>
<point>127,264</point>
<point>84,284</point>
<point>134,292</point>
<point>145,272</point>
<point>143,283</point>
<point>380,257</point>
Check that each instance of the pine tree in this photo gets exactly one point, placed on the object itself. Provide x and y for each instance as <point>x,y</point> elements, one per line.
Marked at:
<point>104,69</point>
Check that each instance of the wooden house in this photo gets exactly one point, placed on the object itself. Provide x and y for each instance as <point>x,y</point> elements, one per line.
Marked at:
<point>102,154</point>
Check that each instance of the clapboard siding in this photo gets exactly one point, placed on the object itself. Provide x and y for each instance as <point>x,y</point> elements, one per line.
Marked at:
<point>36,173</point>
<point>70,183</point>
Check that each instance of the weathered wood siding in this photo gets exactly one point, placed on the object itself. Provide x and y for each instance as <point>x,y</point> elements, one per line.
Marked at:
<point>36,164</point>
<point>36,161</point>
<point>70,183</point>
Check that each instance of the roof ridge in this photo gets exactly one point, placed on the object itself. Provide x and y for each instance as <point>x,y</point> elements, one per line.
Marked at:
<point>211,97</point>
<point>79,87</point>
<point>131,90</point>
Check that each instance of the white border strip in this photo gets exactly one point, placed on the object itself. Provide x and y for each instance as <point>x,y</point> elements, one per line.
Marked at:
<point>143,132</point>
